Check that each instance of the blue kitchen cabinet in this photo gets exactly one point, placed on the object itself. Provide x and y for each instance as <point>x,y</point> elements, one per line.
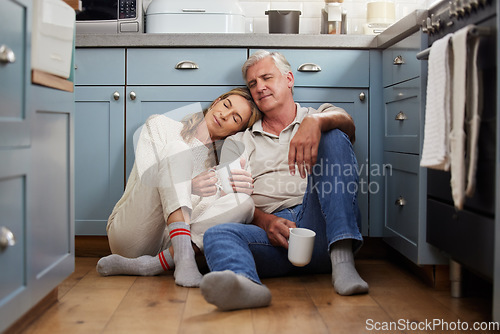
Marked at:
<point>99,155</point>
<point>36,174</point>
<point>99,136</point>
<point>404,187</point>
<point>354,102</point>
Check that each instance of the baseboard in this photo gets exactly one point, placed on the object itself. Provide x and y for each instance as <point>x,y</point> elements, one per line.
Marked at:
<point>91,246</point>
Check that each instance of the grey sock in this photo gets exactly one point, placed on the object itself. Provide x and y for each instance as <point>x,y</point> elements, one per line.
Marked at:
<point>229,291</point>
<point>145,265</point>
<point>345,278</point>
<point>186,271</point>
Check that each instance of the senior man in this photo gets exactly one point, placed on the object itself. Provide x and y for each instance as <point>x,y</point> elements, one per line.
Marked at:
<point>302,163</point>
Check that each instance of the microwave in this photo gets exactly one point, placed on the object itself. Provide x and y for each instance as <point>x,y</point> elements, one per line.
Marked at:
<point>110,17</point>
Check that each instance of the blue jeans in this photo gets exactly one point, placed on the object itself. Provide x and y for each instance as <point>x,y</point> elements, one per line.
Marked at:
<point>329,207</point>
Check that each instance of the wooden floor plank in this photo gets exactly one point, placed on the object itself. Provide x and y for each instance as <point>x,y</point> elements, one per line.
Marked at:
<point>85,308</point>
<point>291,310</point>
<point>153,304</point>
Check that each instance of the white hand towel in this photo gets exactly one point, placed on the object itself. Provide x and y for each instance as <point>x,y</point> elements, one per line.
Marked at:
<point>435,152</point>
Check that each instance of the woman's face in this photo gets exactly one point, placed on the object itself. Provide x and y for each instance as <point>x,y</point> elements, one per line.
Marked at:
<point>227,116</point>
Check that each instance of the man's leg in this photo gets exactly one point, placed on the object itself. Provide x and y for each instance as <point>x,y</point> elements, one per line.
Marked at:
<point>332,198</point>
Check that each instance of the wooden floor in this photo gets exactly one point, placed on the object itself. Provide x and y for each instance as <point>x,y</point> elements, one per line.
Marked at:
<point>89,303</point>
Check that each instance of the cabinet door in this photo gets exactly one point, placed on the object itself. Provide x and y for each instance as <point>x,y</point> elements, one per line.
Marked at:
<point>51,232</point>
<point>15,21</point>
<point>99,156</point>
<point>143,102</point>
<point>351,101</point>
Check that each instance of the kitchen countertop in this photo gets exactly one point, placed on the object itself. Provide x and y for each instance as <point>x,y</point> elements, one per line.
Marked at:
<point>404,27</point>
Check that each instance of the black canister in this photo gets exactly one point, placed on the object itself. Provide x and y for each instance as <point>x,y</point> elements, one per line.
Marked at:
<point>283,21</point>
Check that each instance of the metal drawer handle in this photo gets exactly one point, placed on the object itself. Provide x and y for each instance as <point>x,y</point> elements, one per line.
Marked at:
<point>400,201</point>
<point>309,67</point>
<point>6,238</point>
<point>116,96</point>
<point>401,116</point>
<point>399,60</point>
<point>186,65</point>
<point>6,54</point>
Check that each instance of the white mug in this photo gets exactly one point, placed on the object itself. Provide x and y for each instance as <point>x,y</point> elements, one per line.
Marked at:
<point>300,246</point>
<point>223,173</point>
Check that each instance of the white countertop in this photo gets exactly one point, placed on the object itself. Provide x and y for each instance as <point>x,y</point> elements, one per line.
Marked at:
<point>399,30</point>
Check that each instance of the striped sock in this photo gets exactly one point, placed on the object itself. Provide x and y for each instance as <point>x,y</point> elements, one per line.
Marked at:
<point>186,271</point>
<point>145,265</point>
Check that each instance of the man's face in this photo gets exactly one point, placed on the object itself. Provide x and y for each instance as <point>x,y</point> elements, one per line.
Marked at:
<point>270,89</point>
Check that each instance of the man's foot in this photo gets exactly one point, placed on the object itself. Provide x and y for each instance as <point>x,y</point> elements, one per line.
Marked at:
<point>345,278</point>
<point>229,291</point>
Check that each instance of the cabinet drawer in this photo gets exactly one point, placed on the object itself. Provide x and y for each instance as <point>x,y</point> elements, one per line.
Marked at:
<point>399,62</point>
<point>13,210</point>
<point>402,117</point>
<point>185,66</point>
<point>339,68</point>
<point>401,195</point>
<point>100,67</point>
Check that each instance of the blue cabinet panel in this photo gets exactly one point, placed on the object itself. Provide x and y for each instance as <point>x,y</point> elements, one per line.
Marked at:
<point>100,67</point>
<point>13,216</point>
<point>158,66</point>
<point>349,100</point>
<point>339,68</point>
<point>402,117</point>
<point>14,35</point>
<point>99,156</point>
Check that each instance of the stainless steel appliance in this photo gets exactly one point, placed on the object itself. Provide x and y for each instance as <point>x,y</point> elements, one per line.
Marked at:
<point>110,17</point>
<point>467,236</point>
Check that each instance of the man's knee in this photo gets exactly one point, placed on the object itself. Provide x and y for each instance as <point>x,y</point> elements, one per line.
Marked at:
<point>334,138</point>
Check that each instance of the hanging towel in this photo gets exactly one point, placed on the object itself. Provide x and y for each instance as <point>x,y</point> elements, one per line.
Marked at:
<point>457,135</point>
<point>435,152</point>
<point>472,113</point>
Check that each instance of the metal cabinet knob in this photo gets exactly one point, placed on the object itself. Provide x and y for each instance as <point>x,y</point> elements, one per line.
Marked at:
<point>309,67</point>
<point>401,116</point>
<point>399,60</point>
<point>6,238</point>
<point>186,65</point>
<point>116,96</point>
<point>362,96</point>
<point>6,54</point>
<point>133,95</point>
<point>400,201</point>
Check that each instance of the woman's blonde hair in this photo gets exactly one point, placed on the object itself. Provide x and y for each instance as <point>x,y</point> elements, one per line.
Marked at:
<point>191,123</point>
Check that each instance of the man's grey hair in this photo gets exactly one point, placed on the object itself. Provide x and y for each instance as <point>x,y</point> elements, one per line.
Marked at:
<point>279,60</point>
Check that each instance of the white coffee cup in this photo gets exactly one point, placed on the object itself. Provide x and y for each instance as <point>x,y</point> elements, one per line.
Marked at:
<point>300,246</point>
<point>223,173</point>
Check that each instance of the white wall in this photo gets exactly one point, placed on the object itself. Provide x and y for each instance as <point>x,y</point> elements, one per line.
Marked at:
<point>256,20</point>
